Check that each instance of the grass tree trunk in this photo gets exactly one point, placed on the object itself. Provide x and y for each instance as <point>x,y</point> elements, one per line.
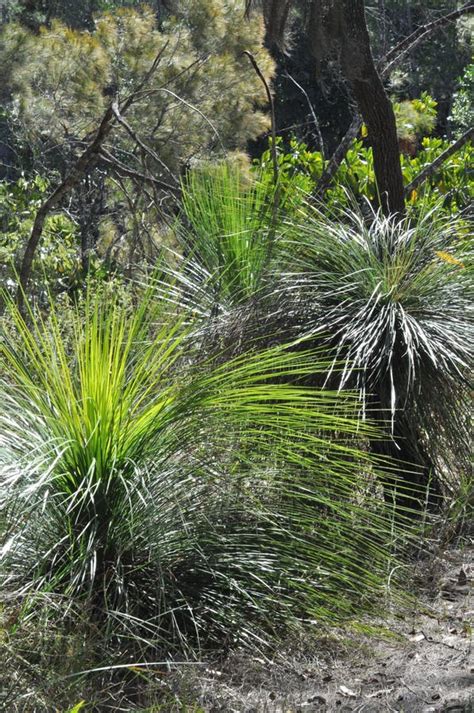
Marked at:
<point>374,104</point>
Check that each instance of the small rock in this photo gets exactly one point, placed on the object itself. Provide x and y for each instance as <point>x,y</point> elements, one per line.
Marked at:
<point>435,697</point>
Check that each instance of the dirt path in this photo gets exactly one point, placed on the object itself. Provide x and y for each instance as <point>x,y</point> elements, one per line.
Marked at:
<point>428,668</point>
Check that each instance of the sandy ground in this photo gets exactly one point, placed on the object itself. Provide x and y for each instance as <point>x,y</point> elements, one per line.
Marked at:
<point>428,667</point>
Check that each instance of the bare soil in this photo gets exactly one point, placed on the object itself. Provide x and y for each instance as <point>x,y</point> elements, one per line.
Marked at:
<point>426,667</point>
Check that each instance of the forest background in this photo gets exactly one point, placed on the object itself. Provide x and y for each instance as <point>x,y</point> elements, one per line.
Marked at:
<point>236,312</point>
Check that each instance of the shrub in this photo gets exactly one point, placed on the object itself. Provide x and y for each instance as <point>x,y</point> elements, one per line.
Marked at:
<point>301,169</point>
<point>393,298</point>
<point>180,502</point>
<point>225,238</point>
<point>58,260</point>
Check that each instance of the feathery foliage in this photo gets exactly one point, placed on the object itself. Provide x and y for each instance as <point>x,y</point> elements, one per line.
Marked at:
<point>395,300</point>
<point>203,97</point>
<point>225,237</point>
<point>182,501</point>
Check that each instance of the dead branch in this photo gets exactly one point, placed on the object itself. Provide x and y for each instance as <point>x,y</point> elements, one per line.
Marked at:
<point>338,157</point>
<point>124,170</point>
<point>433,167</point>
<point>393,58</point>
<point>145,148</point>
<point>311,109</point>
<point>84,163</point>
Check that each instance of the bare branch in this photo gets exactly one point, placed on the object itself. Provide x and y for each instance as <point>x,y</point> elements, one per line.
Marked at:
<point>84,164</point>
<point>271,103</point>
<point>198,111</point>
<point>391,60</point>
<point>134,96</point>
<point>124,170</point>
<point>86,161</point>
<point>276,170</point>
<point>338,157</point>
<point>433,167</point>
<point>147,149</point>
<point>311,108</point>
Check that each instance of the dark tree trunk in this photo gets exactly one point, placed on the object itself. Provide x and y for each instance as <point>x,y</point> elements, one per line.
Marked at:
<point>374,105</point>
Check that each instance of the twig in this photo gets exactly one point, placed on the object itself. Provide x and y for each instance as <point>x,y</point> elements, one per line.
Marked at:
<point>414,692</point>
<point>397,53</point>
<point>273,149</point>
<point>124,170</point>
<point>441,643</point>
<point>147,149</point>
<point>432,168</point>
<point>198,111</point>
<point>313,113</point>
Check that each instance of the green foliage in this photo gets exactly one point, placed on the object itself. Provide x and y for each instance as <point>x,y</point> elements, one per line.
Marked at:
<point>298,170</point>
<point>301,169</point>
<point>415,117</point>
<point>394,297</point>
<point>451,184</point>
<point>57,261</point>
<point>225,236</point>
<point>78,707</point>
<point>462,111</point>
<point>179,501</point>
<point>204,95</point>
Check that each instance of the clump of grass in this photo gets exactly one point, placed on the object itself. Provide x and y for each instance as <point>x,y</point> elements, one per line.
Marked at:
<point>226,234</point>
<point>182,502</point>
<point>393,298</point>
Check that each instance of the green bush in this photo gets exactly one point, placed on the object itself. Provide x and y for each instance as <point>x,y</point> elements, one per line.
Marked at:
<point>394,299</point>
<point>178,502</point>
<point>301,169</point>
<point>462,111</point>
<point>57,262</point>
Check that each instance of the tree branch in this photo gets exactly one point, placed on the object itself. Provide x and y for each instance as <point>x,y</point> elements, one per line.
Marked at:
<point>124,170</point>
<point>271,103</point>
<point>311,108</point>
<point>84,163</point>
<point>393,58</point>
<point>338,157</point>
<point>433,167</point>
<point>276,168</point>
<point>385,66</point>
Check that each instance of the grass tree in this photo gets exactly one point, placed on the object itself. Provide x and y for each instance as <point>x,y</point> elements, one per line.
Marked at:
<point>394,300</point>
<point>225,235</point>
<point>177,500</point>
